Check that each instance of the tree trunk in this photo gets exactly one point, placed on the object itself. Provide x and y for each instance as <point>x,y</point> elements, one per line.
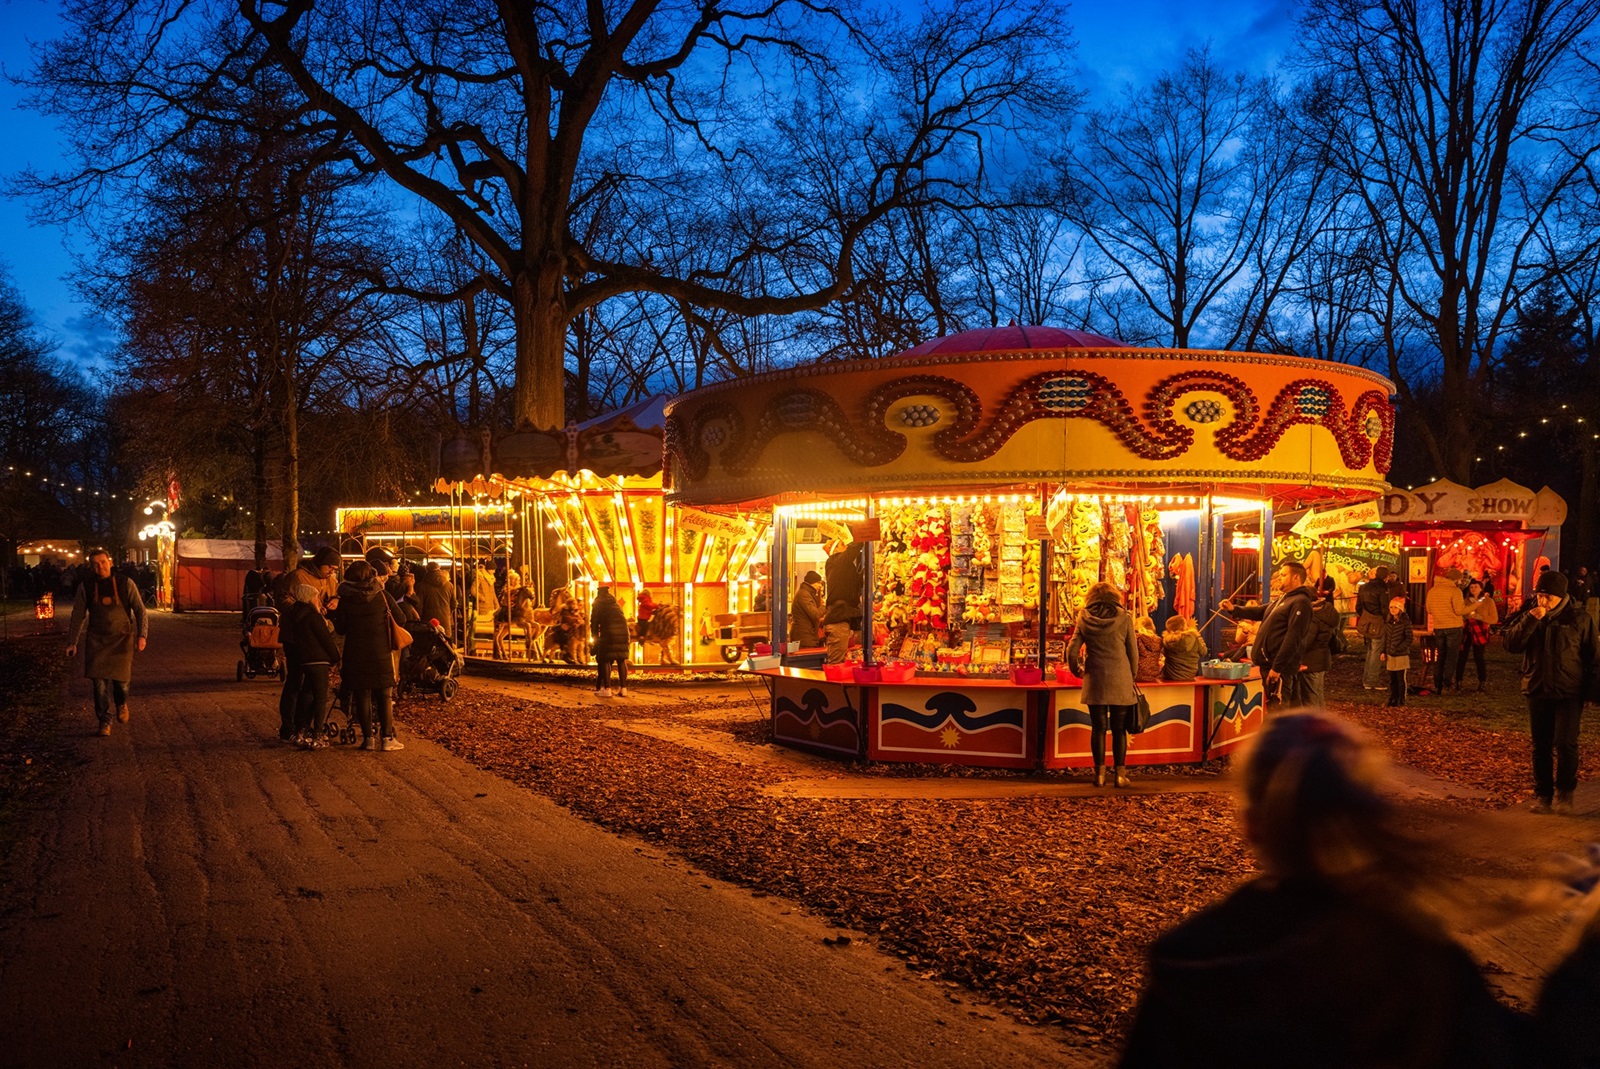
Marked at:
<point>1588,500</point>
<point>539,310</point>
<point>259,496</point>
<point>291,468</point>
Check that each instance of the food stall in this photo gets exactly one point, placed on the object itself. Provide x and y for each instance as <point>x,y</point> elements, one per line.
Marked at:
<point>991,477</point>
<point>594,494</point>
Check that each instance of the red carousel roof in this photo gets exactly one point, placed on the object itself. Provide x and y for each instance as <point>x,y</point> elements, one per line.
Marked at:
<point>1009,339</point>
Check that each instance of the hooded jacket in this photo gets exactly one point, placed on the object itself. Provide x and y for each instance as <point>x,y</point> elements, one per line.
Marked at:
<point>436,598</point>
<point>609,627</point>
<point>305,635</point>
<point>363,619</point>
<point>805,616</point>
<point>1318,655</point>
<point>1297,974</point>
<point>1559,652</point>
<point>1184,652</point>
<point>1104,637</point>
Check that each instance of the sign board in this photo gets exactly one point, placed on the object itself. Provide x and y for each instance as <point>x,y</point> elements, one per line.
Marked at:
<point>1417,568</point>
<point>709,523</point>
<point>1038,529</point>
<point>867,530</point>
<point>1059,511</point>
<point>1448,502</point>
<point>1313,524</point>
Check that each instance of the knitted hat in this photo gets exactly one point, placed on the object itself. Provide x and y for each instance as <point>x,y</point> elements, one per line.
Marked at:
<point>812,577</point>
<point>1453,574</point>
<point>381,560</point>
<point>1551,582</point>
<point>326,555</point>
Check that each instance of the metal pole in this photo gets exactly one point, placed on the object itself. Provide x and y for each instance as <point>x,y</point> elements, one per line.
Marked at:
<point>778,578</point>
<point>868,588</point>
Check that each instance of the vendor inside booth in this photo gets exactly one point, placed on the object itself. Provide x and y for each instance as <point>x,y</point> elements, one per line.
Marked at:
<point>990,479</point>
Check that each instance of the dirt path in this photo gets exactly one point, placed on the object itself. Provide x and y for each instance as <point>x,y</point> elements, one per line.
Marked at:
<point>203,896</point>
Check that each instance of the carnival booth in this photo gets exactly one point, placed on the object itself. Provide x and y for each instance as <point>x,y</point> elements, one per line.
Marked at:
<point>209,573</point>
<point>688,580</point>
<point>1502,532</point>
<point>992,477</point>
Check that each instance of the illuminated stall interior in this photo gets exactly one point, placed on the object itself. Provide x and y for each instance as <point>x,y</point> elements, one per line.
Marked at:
<point>595,495</point>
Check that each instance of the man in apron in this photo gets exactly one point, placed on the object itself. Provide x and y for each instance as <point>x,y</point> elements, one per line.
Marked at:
<point>108,618</point>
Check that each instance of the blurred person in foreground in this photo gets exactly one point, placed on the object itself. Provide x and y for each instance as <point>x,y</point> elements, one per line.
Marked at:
<point>1340,954</point>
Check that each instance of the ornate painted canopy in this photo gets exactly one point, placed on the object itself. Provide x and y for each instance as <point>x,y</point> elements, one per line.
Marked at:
<point>1032,404</point>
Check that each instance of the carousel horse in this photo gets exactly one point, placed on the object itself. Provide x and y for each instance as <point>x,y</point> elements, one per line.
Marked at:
<point>519,611</point>
<point>663,629</point>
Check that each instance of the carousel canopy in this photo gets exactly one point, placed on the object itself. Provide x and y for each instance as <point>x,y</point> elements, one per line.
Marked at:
<point>1020,405</point>
<point>624,442</point>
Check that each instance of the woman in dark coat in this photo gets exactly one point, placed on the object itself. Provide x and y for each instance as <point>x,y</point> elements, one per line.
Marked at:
<point>805,612</point>
<point>1104,637</point>
<point>363,619</point>
<point>311,652</point>
<point>611,641</point>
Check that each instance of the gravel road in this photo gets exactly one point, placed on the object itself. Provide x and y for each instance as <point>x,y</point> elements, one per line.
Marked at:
<point>203,896</point>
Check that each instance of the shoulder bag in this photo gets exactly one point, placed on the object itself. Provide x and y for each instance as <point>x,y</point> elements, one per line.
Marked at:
<point>399,637</point>
<point>1140,718</point>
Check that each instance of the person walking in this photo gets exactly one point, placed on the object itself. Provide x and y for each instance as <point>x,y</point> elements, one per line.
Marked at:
<point>609,626</point>
<point>311,653</point>
<point>842,618</point>
<point>1398,636</point>
<point>1478,615</point>
<point>1286,627</point>
<point>1372,605</point>
<point>1560,654</point>
<point>108,621</point>
<point>1105,652</point>
<point>1318,656</point>
<point>805,612</point>
<point>362,617</point>
<point>1444,607</point>
<point>1342,952</point>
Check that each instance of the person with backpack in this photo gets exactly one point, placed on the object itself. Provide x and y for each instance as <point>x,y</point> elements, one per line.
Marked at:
<point>108,620</point>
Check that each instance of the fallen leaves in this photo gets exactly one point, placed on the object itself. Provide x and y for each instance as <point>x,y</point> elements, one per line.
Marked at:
<point>1046,904</point>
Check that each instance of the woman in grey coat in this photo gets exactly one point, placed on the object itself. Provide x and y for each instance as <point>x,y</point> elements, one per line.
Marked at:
<point>1104,638</point>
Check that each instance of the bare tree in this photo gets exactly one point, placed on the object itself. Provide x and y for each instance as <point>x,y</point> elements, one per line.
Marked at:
<point>1178,187</point>
<point>1463,127</point>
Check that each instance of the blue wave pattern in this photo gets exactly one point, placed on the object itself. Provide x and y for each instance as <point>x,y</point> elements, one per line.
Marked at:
<point>816,705</point>
<point>1172,714</point>
<point>950,706</point>
<point>1239,704</point>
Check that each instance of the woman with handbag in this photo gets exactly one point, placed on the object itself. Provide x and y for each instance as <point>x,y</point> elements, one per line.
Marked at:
<point>367,619</point>
<point>1479,615</point>
<point>1105,652</point>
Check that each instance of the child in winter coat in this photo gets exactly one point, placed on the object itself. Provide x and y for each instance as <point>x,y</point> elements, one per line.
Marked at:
<point>1397,638</point>
<point>1149,650</point>
<point>1184,649</point>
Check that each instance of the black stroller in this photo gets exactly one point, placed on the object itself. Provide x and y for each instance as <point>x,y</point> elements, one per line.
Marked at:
<point>430,662</point>
<point>263,652</point>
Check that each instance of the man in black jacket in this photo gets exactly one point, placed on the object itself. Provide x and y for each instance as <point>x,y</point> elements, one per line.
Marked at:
<point>1560,653</point>
<point>1286,631</point>
<point>842,618</point>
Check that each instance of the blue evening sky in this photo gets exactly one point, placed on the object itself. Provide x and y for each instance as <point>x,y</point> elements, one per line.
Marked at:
<point>1118,41</point>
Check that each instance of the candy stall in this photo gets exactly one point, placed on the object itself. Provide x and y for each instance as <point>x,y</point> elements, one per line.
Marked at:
<point>983,483</point>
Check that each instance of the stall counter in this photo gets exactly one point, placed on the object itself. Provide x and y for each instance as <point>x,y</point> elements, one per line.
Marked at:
<point>994,722</point>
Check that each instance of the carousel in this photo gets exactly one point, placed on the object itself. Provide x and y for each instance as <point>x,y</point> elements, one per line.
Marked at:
<point>990,478</point>
<point>588,506</point>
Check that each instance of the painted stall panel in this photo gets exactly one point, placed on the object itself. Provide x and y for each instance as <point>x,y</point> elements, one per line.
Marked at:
<point>811,715</point>
<point>1173,737</point>
<point>977,726</point>
<point>1237,711</point>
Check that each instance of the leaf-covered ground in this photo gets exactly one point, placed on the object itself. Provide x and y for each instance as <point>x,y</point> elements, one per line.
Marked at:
<point>1475,738</point>
<point>33,756</point>
<point>1045,903</point>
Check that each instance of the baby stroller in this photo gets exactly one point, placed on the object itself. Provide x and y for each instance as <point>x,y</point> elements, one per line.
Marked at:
<point>430,662</point>
<point>263,653</point>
